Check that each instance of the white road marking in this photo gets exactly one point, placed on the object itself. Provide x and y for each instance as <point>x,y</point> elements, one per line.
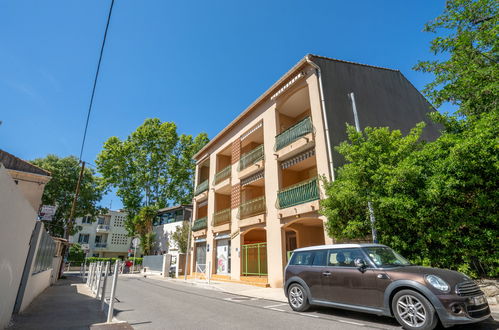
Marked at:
<point>274,305</point>
<point>306,314</point>
<point>277,309</point>
<point>350,322</point>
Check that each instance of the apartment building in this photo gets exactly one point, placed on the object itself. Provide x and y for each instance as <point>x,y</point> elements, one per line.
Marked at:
<point>257,188</point>
<point>105,236</point>
<point>166,223</point>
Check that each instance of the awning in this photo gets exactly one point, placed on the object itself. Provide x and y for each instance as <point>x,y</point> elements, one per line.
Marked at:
<point>245,135</point>
<point>252,178</point>
<point>296,159</point>
<point>200,240</point>
<point>224,236</point>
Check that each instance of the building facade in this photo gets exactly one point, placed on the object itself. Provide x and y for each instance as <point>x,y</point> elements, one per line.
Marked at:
<point>167,222</point>
<point>106,237</point>
<point>257,182</point>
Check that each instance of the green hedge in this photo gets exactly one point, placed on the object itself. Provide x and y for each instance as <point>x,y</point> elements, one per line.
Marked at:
<point>95,259</point>
<point>136,261</point>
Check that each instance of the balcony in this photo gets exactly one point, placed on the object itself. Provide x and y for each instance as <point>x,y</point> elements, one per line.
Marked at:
<point>222,175</point>
<point>102,228</point>
<point>295,132</point>
<point>221,217</point>
<point>252,207</point>
<point>200,188</point>
<point>200,224</point>
<point>251,157</point>
<point>100,245</point>
<point>303,192</point>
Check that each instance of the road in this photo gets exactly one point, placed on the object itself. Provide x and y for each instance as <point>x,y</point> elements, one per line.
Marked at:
<point>154,304</point>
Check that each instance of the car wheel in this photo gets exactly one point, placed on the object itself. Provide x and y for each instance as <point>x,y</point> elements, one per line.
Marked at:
<point>413,311</point>
<point>297,298</point>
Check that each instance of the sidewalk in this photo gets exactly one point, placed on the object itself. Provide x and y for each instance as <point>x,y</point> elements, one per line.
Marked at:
<point>68,304</point>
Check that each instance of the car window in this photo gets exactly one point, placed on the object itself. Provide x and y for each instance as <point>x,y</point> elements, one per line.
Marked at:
<point>302,258</point>
<point>344,257</point>
<point>320,257</point>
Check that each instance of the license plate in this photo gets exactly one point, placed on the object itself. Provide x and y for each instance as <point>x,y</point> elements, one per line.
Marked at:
<point>480,300</point>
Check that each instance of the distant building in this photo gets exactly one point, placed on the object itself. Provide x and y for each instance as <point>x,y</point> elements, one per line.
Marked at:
<point>167,222</point>
<point>103,236</point>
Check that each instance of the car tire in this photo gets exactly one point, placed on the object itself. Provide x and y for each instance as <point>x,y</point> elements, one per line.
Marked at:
<point>413,311</point>
<point>298,298</point>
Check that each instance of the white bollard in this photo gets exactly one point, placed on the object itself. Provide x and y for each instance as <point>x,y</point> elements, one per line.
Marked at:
<point>90,269</point>
<point>113,292</point>
<point>103,294</point>
<point>99,279</point>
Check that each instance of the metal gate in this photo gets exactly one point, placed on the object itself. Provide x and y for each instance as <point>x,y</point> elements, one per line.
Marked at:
<point>254,259</point>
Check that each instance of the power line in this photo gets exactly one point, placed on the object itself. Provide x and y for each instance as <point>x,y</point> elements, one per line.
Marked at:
<point>95,79</point>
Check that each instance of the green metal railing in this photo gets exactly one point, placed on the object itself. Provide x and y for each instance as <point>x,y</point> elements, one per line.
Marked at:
<point>202,187</point>
<point>251,157</point>
<point>255,259</point>
<point>252,207</point>
<point>303,127</point>
<point>299,193</point>
<point>200,224</point>
<point>221,217</point>
<point>222,175</point>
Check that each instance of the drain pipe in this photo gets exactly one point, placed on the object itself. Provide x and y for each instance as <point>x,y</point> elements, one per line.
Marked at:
<point>324,118</point>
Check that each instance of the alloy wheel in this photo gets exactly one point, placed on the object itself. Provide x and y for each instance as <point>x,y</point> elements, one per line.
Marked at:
<point>411,311</point>
<point>296,296</point>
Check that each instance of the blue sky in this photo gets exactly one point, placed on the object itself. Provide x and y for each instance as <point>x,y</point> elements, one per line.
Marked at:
<point>197,63</point>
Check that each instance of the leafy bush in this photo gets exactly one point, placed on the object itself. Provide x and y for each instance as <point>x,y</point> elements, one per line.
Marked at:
<point>136,261</point>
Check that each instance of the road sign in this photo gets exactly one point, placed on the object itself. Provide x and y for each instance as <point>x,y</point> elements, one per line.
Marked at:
<point>135,242</point>
<point>47,212</point>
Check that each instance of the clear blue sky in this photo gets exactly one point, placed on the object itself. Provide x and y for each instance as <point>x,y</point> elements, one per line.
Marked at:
<point>197,63</point>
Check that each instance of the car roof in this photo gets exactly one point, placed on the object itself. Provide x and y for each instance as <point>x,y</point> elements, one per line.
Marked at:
<point>337,246</point>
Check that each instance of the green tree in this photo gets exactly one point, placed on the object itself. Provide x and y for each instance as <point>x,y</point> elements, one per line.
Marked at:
<point>142,227</point>
<point>467,73</point>
<point>153,166</point>
<point>180,236</point>
<point>61,188</point>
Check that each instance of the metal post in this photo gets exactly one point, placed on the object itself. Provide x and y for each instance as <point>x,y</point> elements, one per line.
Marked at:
<point>103,294</point>
<point>209,272</point>
<point>113,292</point>
<point>99,279</point>
<point>85,267</point>
<point>187,252</point>
<point>372,218</point>
<point>90,274</point>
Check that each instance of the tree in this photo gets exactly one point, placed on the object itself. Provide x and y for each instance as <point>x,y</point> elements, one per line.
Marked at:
<point>142,226</point>
<point>180,236</point>
<point>153,166</point>
<point>60,190</point>
<point>467,74</point>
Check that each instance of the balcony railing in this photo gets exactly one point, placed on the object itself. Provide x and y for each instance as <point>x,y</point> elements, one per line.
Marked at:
<point>221,217</point>
<point>303,127</point>
<point>299,193</point>
<point>252,207</point>
<point>103,228</point>
<point>100,245</point>
<point>222,175</point>
<point>200,188</point>
<point>199,224</point>
<point>251,157</point>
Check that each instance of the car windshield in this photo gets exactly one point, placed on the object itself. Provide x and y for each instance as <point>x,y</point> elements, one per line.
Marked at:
<point>385,257</point>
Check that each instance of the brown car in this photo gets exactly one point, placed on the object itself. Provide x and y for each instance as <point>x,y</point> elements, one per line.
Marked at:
<point>373,278</point>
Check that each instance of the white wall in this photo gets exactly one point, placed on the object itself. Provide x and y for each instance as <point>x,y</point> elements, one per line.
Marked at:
<point>17,220</point>
<point>37,283</point>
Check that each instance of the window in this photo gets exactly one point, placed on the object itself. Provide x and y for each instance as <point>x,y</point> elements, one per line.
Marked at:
<point>87,219</point>
<point>83,238</point>
<point>100,220</point>
<point>344,257</point>
<point>320,257</point>
<point>302,258</point>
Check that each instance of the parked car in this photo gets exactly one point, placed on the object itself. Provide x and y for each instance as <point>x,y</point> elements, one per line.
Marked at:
<point>373,278</point>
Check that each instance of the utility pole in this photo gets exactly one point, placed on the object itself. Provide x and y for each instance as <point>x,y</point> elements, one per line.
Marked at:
<point>69,225</point>
<point>369,205</point>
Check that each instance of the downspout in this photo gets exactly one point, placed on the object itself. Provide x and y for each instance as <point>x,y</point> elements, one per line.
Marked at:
<point>324,118</point>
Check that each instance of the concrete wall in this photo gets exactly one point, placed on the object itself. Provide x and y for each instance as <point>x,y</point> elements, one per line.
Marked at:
<point>31,186</point>
<point>17,218</point>
<point>37,283</point>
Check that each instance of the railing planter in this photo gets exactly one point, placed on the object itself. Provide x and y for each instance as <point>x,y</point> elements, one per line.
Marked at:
<point>251,157</point>
<point>221,217</point>
<point>100,245</point>
<point>299,193</point>
<point>222,175</point>
<point>293,133</point>
<point>202,187</point>
<point>252,207</point>
<point>200,224</point>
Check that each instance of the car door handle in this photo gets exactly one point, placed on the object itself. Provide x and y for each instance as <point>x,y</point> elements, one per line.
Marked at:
<point>326,273</point>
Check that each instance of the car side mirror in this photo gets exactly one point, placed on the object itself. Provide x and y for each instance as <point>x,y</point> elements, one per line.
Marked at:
<point>360,264</point>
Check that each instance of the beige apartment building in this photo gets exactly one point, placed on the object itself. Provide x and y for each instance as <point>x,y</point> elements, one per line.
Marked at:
<point>257,182</point>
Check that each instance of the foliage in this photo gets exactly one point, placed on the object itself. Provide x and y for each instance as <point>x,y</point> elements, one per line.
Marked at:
<point>95,259</point>
<point>136,261</point>
<point>434,202</point>
<point>142,226</point>
<point>467,74</point>
<point>153,166</point>
<point>61,188</point>
<point>180,236</point>
<point>76,254</point>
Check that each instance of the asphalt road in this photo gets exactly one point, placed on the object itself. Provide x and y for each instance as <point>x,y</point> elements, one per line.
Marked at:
<point>155,304</point>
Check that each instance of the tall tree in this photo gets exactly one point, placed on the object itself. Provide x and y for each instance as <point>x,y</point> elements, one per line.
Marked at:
<point>153,166</point>
<point>180,236</point>
<point>142,226</point>
<point>61,189</point>
<point>467,73</point>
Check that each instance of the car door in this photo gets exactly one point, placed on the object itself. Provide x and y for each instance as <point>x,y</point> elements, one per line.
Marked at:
<point>347,284</point>
<point>302,266</point>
